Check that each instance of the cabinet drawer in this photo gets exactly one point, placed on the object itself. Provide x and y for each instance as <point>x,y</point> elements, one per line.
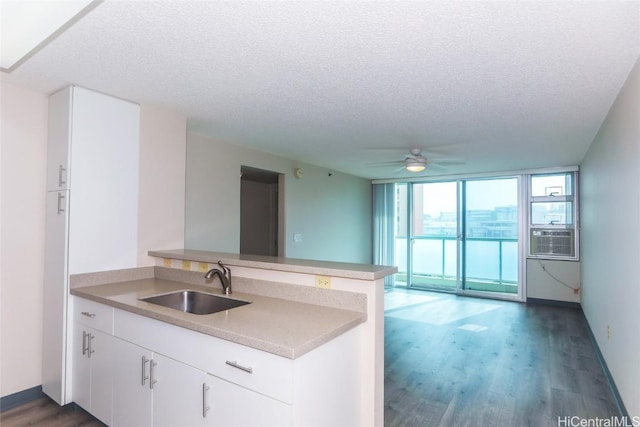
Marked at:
<point>254,369</point>
<point>93,314</point>
<point>270,375</point>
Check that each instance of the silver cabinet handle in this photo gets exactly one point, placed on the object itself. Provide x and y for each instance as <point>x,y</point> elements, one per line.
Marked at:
<point>84,343</point>
<point>61,198</point>
<point>62,179</point>
<point>90,346</point>
<point>235,364</point>
<point>86,313</point>
<point>205,407</point>
<point>152,380</point>
<point>144,370</point>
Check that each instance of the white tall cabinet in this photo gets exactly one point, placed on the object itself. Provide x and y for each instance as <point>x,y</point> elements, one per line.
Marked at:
<point>92,211</point>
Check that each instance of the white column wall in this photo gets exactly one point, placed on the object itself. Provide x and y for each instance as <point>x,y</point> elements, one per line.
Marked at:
<point>22,204</point>
<point>610,240</point>
<point>163,138</point>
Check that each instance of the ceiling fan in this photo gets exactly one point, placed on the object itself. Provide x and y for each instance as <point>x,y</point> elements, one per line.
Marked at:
<point>416,162</point>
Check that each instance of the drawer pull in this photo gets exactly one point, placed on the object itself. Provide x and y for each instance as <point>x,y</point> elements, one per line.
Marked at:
<point>62,180</point>
<point>84,343</point>
<point>152,379</point>
<point>61,203</point>
<point>145,377</point>
<point>86,313</point>
<point>90,349</point>
<point>205,408</point>
<point>235,364</point>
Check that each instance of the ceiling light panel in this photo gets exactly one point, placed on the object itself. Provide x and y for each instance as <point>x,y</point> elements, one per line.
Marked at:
<point>26,25</point>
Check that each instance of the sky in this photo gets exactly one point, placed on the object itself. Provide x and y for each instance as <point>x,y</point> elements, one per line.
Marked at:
<point>481,194</point>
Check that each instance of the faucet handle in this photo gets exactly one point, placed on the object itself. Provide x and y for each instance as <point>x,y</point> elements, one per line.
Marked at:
<point>227,270</point>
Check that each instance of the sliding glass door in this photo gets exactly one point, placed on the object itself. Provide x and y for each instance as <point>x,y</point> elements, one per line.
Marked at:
<point>490,236</point>
<point>434,236</point>
<point>458,236</point>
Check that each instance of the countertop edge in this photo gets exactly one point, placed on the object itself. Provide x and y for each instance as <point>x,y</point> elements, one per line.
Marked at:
<point>294,265</point>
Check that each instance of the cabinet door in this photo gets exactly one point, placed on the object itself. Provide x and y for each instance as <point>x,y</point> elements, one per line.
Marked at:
<point>177,393</point>
<point>59,139</point>
<point>131,390</point>
<point>101,357</point>
<point>81,368</point>
<point>104,183</point>
<point>55,293</point>
<point>232,405</point>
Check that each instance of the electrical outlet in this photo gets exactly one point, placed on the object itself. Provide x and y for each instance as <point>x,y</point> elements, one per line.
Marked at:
<point>323,282</point>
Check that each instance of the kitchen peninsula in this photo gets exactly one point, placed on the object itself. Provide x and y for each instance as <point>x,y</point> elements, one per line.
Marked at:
<point>313,321</point>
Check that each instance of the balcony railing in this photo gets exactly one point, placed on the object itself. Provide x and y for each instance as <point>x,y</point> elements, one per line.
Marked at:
<point>491,263</point>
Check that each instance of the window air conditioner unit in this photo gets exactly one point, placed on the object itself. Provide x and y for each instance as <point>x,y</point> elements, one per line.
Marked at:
<point>558,243</point>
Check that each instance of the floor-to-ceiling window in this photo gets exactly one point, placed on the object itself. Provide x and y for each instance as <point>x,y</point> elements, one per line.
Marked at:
<point>427,239</point>
<point>458,236</point>
<point>489,241</point>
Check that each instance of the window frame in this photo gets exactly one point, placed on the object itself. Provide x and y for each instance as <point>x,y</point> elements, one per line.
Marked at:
<point>573,227</point>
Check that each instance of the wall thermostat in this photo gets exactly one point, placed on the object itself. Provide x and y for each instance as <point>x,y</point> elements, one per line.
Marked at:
<point>299,173</point>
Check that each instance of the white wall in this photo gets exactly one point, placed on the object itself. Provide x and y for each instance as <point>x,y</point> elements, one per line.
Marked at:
<point>22,203</point>
<point>331,213</point>
<point>542,283</point>
<point>22,224</point>
<point>163,139</point>
<point>610,232</point>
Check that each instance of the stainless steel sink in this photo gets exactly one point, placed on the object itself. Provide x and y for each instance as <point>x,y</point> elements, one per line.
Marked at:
<point>194,302</point>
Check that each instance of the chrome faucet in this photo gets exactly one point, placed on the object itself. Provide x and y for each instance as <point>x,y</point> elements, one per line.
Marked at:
<point>224,274</point>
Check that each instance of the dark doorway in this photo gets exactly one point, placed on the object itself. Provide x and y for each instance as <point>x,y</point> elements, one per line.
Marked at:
<point>260,203</point>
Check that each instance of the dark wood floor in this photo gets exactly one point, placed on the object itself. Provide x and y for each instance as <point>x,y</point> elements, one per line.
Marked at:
<point>459,361</point>
<point>44,412</point>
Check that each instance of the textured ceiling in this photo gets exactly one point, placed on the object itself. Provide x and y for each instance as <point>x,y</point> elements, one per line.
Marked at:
<point>495,85</point>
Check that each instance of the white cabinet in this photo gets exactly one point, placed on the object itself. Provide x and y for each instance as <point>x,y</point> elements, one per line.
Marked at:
<point>93,152</point>
<point>240,385</point>
<point>92,357</point>
<point>54,311</point>
<point>92,371</point>
<point>159,374</point>
<point>180,394</point>
<point>132,396</point>
<point>232,405</point>
<point>58,153</point>
<point>81,369</point>
<point>92,210</point>
<point>150,389</point>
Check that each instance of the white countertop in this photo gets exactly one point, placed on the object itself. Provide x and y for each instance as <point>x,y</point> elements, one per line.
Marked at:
<point>282,327</point>
<point>325,268</point>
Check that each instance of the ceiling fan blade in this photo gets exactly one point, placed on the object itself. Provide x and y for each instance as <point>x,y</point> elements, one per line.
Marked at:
<point>381,164</point>
<point>450,162</point>
<point>436,167</point>
<point>387,149</point>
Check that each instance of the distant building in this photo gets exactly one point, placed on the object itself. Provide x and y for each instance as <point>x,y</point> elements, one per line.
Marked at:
<point>498,223</point>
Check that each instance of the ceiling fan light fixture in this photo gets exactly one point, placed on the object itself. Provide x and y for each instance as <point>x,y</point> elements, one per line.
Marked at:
<point>415,165</point>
